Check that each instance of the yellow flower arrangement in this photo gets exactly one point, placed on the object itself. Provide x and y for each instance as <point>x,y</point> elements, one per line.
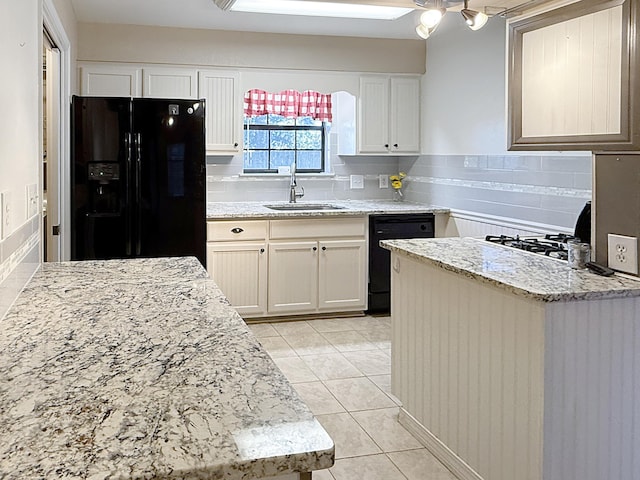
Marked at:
<point>396,180</point>
<point>396,183</point>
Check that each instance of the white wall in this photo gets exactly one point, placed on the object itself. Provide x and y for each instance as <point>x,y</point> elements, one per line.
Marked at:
<point>463,89</point>
<point>465,164</point>
<point>20,87</point>
<point>183,46</point>
<point>21,24</point>
<point>20,139</point>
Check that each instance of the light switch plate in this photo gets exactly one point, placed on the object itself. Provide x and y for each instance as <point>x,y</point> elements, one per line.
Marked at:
<point>6,208</point>
<point>623,253</point>
<point>383,181</point>
<point>356,182</point>
<point>32,200</point>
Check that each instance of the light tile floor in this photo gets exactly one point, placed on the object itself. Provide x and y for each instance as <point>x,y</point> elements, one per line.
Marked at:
<point>342,369</point>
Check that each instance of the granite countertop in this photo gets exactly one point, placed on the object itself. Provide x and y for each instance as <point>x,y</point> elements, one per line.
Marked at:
<point>141,369</point>
<point>227,210</point>
<point>523,273</point>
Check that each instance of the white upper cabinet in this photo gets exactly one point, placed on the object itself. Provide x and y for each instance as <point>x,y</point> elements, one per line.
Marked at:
<point>114,80</point>
<point>109,80</point>
<point>404,115</point>
<point>220,89</point>
<point>389,115</point>
<point>572,78</point>
<point>162,82</point>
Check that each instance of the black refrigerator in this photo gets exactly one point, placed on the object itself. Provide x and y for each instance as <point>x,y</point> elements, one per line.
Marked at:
<point>138,178</point>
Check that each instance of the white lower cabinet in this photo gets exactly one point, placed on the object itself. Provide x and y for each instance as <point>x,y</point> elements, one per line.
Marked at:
<point>240,270</point>
<point>293,277</point>
<point>303,266</point>
<point>341,275</point>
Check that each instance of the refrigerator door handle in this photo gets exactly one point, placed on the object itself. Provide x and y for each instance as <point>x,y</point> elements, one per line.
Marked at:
<point>127,189</point>
<point>138,195</point>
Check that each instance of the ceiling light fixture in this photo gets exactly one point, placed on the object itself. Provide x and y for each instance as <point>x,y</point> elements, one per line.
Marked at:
<point>474,19</point>
<point>314,9</point>
<point>436,9</point>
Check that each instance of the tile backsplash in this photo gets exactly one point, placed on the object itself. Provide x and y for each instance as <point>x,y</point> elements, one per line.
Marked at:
<point>19,259</point>
<point>226,183</point>
<point>549,190</point>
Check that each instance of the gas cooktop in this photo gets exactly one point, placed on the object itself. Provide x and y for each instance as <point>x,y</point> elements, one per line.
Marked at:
<point>551,245</point>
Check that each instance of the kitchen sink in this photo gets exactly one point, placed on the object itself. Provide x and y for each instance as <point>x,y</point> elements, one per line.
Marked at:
<point>303,206</point>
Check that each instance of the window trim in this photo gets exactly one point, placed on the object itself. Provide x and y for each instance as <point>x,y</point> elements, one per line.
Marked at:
<point>275,127</point>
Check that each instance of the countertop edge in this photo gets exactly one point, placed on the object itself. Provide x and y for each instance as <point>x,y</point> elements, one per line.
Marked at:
<point>543,297</point>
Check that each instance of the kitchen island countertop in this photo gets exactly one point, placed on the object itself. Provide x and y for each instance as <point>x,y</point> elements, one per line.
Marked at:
<point>141,369</point>
<point>228,210</point>
<point>523,273</point>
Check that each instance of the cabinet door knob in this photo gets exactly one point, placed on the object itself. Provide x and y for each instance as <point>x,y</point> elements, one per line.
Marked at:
<point>386,145</point>
<point>315,248</point>
<point>324,248</point>
<point>237,230</point>
<point>235,144</point>
<point>395,145</point>
<point>262,250</point>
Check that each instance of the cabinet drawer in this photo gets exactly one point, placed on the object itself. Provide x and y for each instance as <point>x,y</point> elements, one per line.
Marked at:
<point>237,230</point>
<point>318,227</point>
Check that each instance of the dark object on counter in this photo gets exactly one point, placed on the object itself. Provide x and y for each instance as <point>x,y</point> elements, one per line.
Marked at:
<point>138,178</point>
<point>389,227</point>
<point>599,269</point>
<point>583,224</point>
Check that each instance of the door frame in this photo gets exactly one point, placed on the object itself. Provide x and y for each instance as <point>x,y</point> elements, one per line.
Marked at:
<point>55,29</point>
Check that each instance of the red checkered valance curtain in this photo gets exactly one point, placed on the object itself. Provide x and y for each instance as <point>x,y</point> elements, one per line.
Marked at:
<point>288,103</point>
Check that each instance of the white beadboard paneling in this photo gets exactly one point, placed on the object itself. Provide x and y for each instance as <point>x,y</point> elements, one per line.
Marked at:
<point>592,414</point>
<point>509,388</point>
<point>221,91</point>
<point>571,76</point>
<point>478,357</point>
<point>247,292</point>
<point>475,227</point>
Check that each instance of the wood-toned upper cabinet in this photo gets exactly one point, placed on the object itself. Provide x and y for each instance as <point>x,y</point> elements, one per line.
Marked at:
<point>220,89</point>
<point>572,78</point>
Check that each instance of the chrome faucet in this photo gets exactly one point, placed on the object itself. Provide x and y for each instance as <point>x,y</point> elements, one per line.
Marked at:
<point>293,195</point>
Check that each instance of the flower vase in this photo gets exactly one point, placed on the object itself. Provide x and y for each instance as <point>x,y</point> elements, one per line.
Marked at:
<point>397,195</point>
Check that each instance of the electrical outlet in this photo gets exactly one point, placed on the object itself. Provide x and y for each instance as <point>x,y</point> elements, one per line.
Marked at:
<point>383,181</point>
<point>623,253</point>
<point>5,206</point>
<point>356,182</point>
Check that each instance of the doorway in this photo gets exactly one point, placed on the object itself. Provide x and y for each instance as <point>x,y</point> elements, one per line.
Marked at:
<point>50,150</point>
<point>56,121</point>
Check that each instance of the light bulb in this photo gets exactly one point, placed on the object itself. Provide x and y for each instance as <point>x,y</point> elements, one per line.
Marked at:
<point>422,31</point>
<point>431,18</point>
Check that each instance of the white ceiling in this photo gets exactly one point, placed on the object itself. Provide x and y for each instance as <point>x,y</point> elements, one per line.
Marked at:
<point>205,14</point>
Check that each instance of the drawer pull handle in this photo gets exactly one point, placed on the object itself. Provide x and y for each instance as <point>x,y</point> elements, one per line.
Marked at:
<point>237,230</point>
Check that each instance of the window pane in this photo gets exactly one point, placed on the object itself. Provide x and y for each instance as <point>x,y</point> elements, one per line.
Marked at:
<point>310,160</point>
<point>309,139</point>
<point>308,121</point>
<point>256,160</point>
<point>280,120</point>
<point>259,120</point>
<point>282,158</point>
<point>283,139</point>
<point>256,139</point>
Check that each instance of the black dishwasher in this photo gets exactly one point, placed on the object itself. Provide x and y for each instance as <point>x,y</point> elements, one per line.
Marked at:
<point>388,227</point>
